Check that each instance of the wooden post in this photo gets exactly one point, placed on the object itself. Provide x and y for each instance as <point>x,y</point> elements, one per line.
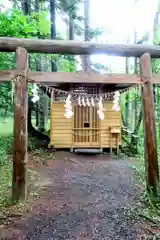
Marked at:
<point>20,125</point>
<point>150,145</point>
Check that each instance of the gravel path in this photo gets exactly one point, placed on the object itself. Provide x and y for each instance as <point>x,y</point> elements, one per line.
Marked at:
<point>85,200</point>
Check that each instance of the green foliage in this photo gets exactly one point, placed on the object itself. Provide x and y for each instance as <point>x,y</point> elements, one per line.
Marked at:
<point>41,22</point>
<point>156,41</point>
<point>14,24</point>
<point>6,140</point>
<point>100,67</point>
<point>70,7</point>
<point>94,33</point>
<point>6,182</point>
<point>67,64</point>
<point>157,35</point>
<point>6,127</point>
<point>5,99</point>
<point>155,65</point>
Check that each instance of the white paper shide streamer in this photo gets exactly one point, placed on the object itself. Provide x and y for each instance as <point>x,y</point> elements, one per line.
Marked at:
<point>68,107</point>
<point>79,101</point>
<point>100,109</point>
<point>83,102</point>
<point>92,102</point>
<point>35,93</point>
<point>116,97</point>
<point>88,103</point>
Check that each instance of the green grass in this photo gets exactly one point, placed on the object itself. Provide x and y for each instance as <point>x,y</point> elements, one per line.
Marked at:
<point>6,142</point>
<point>5,183</point>
<point>6,139</point>
<point>6,127</point>
<point>151,209</point>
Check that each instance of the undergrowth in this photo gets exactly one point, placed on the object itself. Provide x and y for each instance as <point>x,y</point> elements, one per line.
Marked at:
<point>5,183</point>
<point>151,206</point>
<point>6,140</point>
<point>6,143</point>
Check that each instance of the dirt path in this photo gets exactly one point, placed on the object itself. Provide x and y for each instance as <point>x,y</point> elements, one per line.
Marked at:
<point>86,199</point>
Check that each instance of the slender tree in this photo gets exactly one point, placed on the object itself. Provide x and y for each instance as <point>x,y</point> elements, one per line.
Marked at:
<point>87,64</point>
<point>53,29</point>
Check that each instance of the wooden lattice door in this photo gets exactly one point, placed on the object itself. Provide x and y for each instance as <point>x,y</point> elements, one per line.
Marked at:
<point>86,129</point>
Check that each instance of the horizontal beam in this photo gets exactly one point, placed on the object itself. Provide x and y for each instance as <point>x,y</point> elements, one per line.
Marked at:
<point>77,77</point>
<point>6,76</point>
<point>82,77</point>
<point>77,47</point>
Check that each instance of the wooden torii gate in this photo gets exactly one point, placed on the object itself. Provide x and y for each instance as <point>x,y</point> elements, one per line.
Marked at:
<point>21,76</point>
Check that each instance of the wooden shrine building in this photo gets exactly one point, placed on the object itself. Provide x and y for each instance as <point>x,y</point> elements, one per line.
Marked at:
<point>85,129</point>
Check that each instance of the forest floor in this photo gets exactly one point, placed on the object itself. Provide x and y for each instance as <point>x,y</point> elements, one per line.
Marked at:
<point>78,197</point>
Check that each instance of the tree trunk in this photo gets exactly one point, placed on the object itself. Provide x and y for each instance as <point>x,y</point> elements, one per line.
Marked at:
<point>136,118</point>
<point>87,63</point>
<point>71,27</point>
<point>36,6</point>
<point>44,139</point>
<point>127,103</point>
<point>26,7</point>
<point>71,34</point>
<point>40,116</point>
<point>15,4</point>
<point>41,108</point>
<point>53,29</point>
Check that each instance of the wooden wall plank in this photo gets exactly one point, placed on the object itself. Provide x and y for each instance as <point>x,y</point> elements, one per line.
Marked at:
<point>62,127</point>
<point>61,131</point>
<point>112,119</point>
